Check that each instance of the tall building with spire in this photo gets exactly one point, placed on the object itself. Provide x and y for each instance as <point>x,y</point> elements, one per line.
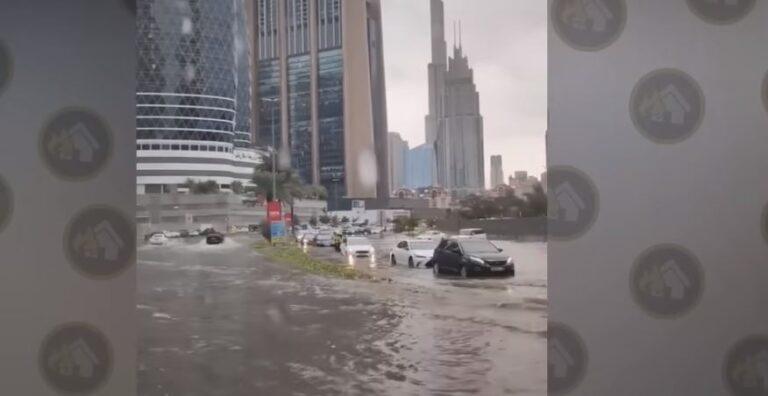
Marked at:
<point>454,125</point>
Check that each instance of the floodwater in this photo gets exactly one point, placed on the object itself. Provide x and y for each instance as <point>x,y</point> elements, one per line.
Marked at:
<point>221,320</point>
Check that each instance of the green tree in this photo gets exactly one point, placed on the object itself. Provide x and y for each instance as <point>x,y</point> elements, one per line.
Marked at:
<point>536,202</point>
<point>237,187</point>
<point>313,221</point>
<point>204,187</point>
<point>289,186</point>
<point>324,219</point>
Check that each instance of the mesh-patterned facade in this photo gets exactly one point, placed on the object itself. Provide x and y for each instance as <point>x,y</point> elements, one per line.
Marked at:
<point>194,99</point>
<point>320,93</point>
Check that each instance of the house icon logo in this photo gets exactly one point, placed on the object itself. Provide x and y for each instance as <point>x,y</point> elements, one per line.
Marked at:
<point>588,25</point>
<point>745,369</point>
<point>721,12</point>
<point>572,201</point>
<point>75,358</point>
<point>667,281</point>
<point>667,106</point>
<point>75,144</point>
<point>566,358</point>
<point>566,205</point>
<point>100,242</point>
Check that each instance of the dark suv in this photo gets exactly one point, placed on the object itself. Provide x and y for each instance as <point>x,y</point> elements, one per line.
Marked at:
<point>470,257</point>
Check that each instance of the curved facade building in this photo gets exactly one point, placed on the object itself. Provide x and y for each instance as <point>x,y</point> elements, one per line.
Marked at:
<point>194,106</point>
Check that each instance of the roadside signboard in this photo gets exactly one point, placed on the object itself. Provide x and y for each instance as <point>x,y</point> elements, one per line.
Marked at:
<point>274,212</point>
<point>277,230</point>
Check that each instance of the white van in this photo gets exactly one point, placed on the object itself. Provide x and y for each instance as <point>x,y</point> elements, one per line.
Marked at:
<point>473,233</point>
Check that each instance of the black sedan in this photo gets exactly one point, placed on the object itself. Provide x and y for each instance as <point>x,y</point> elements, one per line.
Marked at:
<point>471,257</point>
<point>214,238</point>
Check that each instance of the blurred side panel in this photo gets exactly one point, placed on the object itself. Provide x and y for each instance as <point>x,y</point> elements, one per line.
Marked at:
<point>67,197</point>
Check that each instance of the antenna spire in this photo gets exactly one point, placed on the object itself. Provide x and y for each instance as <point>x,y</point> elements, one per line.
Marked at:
<point>460,41</point>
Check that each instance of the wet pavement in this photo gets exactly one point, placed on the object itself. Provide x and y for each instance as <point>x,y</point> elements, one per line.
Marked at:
<point>222,320</point>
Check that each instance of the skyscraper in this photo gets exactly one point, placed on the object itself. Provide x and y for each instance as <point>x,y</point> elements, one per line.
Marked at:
<point>398,161</point>
<point>497,171</point>
<point>194,107</point>
<point>320,84</point>
<point>420,170</point>
<point>454,123</point>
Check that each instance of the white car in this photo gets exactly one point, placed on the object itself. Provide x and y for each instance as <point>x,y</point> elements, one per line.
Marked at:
<point>358,247</point>
<point>413,252</point>
<point>473,233</point>
<point>375,230</point>
<point>158,239</point>
<point>308,237</point>
<point>432,235</point>
<point>172,234</point>
<point>324,239</point>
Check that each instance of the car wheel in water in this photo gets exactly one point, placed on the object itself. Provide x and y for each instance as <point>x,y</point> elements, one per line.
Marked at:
<point>393,260</point>
<point>464,272</point>
<point>410,262</point>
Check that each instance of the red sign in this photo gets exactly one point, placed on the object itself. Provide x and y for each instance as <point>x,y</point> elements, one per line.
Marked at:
<point>274,211</point>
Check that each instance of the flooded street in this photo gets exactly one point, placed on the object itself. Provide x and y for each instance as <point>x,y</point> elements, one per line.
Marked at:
<point>222,320</point>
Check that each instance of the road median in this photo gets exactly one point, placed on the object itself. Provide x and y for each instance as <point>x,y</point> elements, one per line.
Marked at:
<point>292,254</point>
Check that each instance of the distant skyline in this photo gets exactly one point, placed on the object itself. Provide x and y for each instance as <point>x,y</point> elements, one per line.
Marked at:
<point>506,41</point>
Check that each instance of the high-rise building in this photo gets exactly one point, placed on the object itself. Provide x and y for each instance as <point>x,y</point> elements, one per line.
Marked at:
<point>436,71</point>
<point>521,176</point>
<point>398,161</point>
<point>454,124</point>
<point>194,107</point>
<point>497,171</point>
<point>320,91</point>
<point>420,170</point>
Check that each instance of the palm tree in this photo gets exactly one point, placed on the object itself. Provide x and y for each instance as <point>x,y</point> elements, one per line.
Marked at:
<point>289,186</point>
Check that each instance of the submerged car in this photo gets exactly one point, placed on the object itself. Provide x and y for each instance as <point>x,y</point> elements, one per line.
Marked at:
<point>413,252</point>
<point>358,247</point>
<point>158,239</point>
<point>474,233</point>
<point>470,257</point>
<point>214,238</point>
<point>324,239</point>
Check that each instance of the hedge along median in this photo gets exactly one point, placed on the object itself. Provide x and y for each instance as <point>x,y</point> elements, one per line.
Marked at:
<point>292,254</point>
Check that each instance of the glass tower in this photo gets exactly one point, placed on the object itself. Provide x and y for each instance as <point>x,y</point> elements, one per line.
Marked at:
<point>303,61</point>
<point>194,106</point>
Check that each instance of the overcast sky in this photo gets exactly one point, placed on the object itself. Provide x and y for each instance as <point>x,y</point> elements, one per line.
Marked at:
<point>506,44</point>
